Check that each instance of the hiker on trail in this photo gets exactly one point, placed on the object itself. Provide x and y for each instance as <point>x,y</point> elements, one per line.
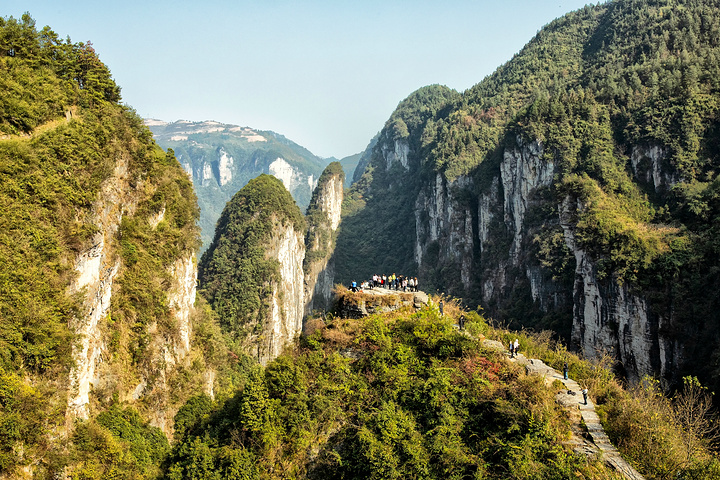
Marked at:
<point>461,322</point>
<point>411,284</point>
<point>353,286</point>
<point>441,305</point>
<point>585,393</point>
<point>565,370</point>
<point>515,346</point>
<point>512,353</point>
<point>416,284</point>
<point>384,281</point>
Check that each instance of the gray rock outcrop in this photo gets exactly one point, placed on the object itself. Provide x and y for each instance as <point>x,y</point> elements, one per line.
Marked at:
<point>287,301</point>
<point>323,216</point>
<point>98,268</point>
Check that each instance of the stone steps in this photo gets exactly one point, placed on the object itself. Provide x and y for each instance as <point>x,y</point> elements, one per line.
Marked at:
<point>592,422</point>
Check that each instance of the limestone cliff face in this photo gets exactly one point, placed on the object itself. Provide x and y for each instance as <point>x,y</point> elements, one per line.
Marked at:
<point>100,370</point>
<point>522,172</point>
<point>97,268</point>
<point>492,236</point>
<point>396,152</point>
<point>268,266</point>
<point>609,319</point>
<point>484,239</point>
<point>486,172</point>
<point>323,217</point>
<point>170,350</point>
<point>479,231</point>
<point>651,167</point>
<point>220,159</point>
<point>252,273</point>
<point>287,301</point>
<point>444,225</point>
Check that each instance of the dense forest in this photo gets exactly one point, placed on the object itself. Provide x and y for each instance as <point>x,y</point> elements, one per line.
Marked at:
<point>407,395</point>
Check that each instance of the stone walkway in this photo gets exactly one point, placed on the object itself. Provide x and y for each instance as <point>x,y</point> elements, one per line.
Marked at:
<point>609,453</point>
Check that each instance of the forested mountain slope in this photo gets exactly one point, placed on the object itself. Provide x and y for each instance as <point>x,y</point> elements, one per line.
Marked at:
<point>406,394</point>
<point>576,188</point>
<point>252,273</point>
<point>222,158</point>
<point>98,237</point>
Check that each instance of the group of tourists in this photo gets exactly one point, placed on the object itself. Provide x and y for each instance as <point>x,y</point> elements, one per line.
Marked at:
<point>394,282</point>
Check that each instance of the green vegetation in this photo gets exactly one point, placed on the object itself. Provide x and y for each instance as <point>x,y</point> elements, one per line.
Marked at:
<point>393,396</point>
<point>148,253</point>
<point>236,277</point>
<point>43,76</point>
<point>413,398</point>
<point>405,394</point>
<point>64,138</point>
<point>117,444</point>
<point>663,437</point>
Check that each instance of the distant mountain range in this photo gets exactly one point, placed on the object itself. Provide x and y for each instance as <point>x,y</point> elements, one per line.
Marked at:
<point>222,158</point>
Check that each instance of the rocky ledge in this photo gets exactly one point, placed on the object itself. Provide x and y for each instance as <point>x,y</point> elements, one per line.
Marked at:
<point>376,300</point>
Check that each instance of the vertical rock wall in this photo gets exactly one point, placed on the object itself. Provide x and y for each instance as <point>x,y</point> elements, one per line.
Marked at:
<point>522,172</point>
<point>97,269</point>
<point>445,220</point>
<point>288,298</point>
<point>498,259</point>
<point>609,319</point>
<point>323,221</point>
<point>181,299</point>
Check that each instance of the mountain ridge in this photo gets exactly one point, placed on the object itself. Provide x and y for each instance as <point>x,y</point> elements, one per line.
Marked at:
<point>221,158</point>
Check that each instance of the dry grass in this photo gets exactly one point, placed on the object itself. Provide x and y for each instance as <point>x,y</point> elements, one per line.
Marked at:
<point>313,325</point>
<point>394,299</point>
<point>452,307</point>
<point>337,337</point>
<point>338,332</point>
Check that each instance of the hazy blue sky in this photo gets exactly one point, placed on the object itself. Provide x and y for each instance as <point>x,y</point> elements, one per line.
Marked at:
<point>326,74</point>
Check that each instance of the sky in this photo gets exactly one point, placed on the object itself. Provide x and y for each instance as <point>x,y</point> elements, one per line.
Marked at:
<point>327,74</point>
